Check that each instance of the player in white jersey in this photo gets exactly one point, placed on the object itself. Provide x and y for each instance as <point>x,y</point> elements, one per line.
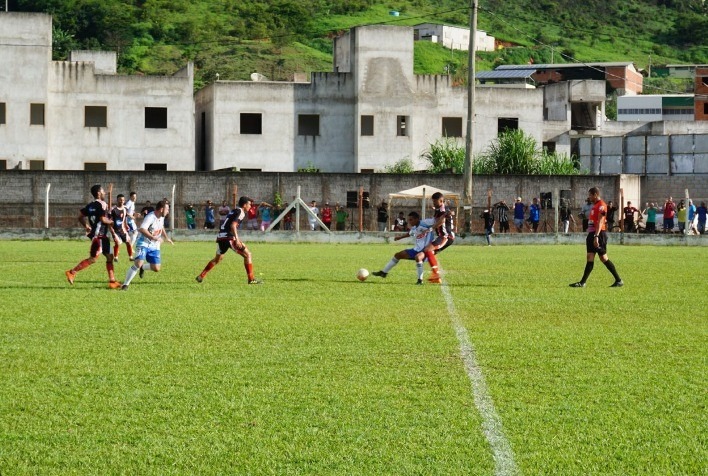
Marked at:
<point>420,230</point>
<point>152,234</point>
<point>130,213</point>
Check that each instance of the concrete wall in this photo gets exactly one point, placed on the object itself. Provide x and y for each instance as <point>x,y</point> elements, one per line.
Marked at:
<point>453,37</point>
<point>22,193</point>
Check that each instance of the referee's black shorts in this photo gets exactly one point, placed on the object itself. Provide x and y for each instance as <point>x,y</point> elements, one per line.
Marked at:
<point>601,247</point>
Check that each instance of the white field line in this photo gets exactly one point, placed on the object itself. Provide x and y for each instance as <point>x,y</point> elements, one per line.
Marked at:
<point>504,463</point>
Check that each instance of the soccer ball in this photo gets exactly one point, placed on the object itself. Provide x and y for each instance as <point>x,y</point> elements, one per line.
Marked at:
<point>362,274</point>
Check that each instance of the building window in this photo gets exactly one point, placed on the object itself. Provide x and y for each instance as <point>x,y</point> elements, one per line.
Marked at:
<point>95,116</point>
<point>155,166</point>
<point>37,115</point>
<point>705,108</point>
<point>549,147</point>
<point>402,125</point>
<point>2,113</point>
<point>3,164</point>
<point>704,79</point>
<point>367,125</point>
<point>308,125</point>
<point>36,164</point>
<point>251,123</point>
<point>507,124</point>
<point>95,166</point>
<point>156,118</point>
<point>452,127</point>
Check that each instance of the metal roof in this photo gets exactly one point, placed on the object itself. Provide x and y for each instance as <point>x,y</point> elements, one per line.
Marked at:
<point>506,74</point>
<point>561,65</point>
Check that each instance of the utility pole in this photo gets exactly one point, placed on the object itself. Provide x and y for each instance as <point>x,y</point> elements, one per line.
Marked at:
<point>468,176</point>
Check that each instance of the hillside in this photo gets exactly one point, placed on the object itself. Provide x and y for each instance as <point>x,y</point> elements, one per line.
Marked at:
<point>234,38</point>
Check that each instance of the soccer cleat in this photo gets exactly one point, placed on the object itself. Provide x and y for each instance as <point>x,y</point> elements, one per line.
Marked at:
<point>113,284</point>
<point>130,258</point>
<point>579,284</point>
<point>419,282</point>
<point>70,276</point>
<point>380,274</point>
<point>255,281</point>
<point>115,260</point>
<point>124,287</point>
<point>199,279</point>
<point>141,273</point>
<point>435,278</point>
<point>617,284</point>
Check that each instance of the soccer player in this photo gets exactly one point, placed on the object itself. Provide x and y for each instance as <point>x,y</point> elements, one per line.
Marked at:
<point>419,229</point>
<point>152,234</point>
<point>94,218</point>
<point>444,229</point>
<point>119,215</point>
<point>228,239</point>
<point>596,242</point>
<point>130,212</point>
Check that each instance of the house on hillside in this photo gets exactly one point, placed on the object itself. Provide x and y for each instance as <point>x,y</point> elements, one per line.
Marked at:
<point>81,115</point>
<point>452,37</point>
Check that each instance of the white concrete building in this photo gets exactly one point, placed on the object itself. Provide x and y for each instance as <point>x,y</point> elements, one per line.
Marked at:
<point>655,107</point>
<point>453,37</point>
<point>80,114</point>
<point>373,112</point>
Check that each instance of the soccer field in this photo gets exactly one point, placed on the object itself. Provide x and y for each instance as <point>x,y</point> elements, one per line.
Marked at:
<point>503,369</point>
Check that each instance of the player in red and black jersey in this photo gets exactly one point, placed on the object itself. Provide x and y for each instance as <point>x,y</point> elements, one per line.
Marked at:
<point>94,218</point>
<point>596,241</point>
<point>228,239</point>
<point>121,234</point>
<point>444,229</point>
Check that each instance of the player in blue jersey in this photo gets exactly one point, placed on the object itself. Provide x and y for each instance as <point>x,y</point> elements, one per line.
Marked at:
<point>419,229</point>
<point>228,239</point>
<point>94,218</point>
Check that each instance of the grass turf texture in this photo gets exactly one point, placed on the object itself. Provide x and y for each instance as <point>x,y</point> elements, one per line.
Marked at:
<point>315,372</point>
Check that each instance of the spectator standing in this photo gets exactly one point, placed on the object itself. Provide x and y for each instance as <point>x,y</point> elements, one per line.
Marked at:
<point>692,221</point>
<point>311,219</point>
<point>519,210</point>
<point>341,216</point>
<point>277,210</point>
<point>148,208</point>
<point>669,214</point>
<point>628,213</point>
<point>399,223</point>
<point>534,215</point>
<point>209,220</point>
<point>190,215</point>
<point>488,217</point>
<point>502,210</point>
<point>223,211</point>
<point>327,215</point>
<point>251,218</point>
<point>682,214</point>
<point>265,211</point>
<point>611,213</point>
<point>382,216</point>
<point>650,213</point>
<point>585,214</point>
<point>566,214</point>
<point>701,213</point>
<point>288,218</point>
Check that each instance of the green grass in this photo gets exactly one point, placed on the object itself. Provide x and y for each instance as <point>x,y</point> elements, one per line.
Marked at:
<point>316,373</point>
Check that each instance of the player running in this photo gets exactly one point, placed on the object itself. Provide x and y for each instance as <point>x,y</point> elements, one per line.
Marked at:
<point>228,239</point>
<point>419,229</point>
<point>152,234</point>
<point>94,218</point>
<point>119,215</point>
<point>596,241</point>
<point>444,229</point>
<point>131,215</point>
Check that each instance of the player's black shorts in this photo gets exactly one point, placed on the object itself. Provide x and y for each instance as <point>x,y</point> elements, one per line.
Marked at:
<point>226,244</point>
<point>601,248</point>
<point>100,245</point>
<point>122,236</point>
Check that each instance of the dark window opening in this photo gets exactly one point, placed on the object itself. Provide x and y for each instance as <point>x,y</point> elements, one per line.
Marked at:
<point>95,116</point>
<point>367,125</point>
<point>36,165</point>
<point>37,115</point>
<point>452,126</point>
<point>251,123</point>
<point>507,124</point>
<point>402,125</point>
<point>156,118</point>
<point>308,125</point>
<point>704,79</point>
<point>705,108</point>
<point>155,166</point>
<point>367,171</point>
<point>251,170</point>
<point>95,166</point>
<point>3,164</point>
<point>2,113</point>
<point>549,147</point>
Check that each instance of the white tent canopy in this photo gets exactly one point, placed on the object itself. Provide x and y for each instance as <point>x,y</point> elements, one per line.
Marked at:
<point>422,193</point>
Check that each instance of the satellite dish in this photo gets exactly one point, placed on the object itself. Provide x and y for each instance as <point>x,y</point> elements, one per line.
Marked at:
<point>258,77</point>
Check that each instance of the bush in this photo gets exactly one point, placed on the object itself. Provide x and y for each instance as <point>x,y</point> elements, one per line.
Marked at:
<point>445,156</point>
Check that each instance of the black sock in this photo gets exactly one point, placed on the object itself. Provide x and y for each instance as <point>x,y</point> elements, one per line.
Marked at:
<point>612,269</point>
<point>588,270</point>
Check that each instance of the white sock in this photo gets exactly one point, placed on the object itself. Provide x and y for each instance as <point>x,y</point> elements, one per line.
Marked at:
<point>419,269</point>
<point>390,265</point>
<point>132,271</point>
<point>146,267</point>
